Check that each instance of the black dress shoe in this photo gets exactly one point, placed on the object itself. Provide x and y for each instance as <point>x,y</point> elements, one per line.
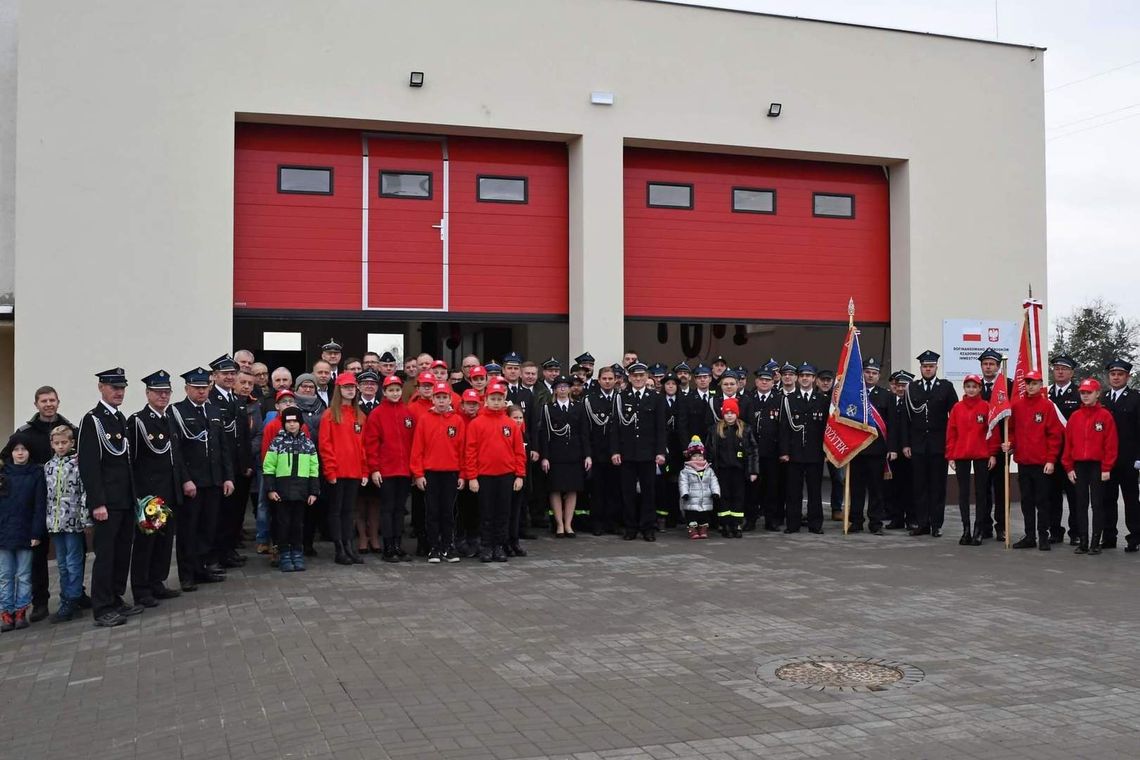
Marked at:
<point>918,531</point>
<point>560,535</point>
<point>936,533</point>
<point>167,593</point>
<point>817,531</point>
<point>109,620</point>
<point>130,610</point>
<point>791,530</point>
<point>1025,543</point>
<point>627,536</point>
<point>39,612</point>
<point>188,588</point>
<point>147,601</point>
<point>649,536</point>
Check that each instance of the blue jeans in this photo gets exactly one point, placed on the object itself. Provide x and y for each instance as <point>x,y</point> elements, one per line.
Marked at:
<point>15,579</point>
<point>69,557</point>
<point>262,514</point>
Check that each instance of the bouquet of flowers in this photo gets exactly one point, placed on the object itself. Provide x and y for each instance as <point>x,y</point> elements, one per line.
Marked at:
<point>152,514</point>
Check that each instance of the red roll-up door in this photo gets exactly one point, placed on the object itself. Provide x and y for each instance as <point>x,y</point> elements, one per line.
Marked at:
<point>709,262</point>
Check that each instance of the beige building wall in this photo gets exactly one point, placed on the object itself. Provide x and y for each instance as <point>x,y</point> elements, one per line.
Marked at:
<point>124,185</point>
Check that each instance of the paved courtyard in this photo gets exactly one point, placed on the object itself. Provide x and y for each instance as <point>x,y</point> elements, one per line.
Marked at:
<point>597,648</point>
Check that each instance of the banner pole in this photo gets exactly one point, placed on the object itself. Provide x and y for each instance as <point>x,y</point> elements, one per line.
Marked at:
<point>847,467</point>
<point>1005,472</point>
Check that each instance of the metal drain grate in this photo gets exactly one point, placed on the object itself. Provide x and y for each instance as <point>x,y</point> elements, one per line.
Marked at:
<point>838,673</point>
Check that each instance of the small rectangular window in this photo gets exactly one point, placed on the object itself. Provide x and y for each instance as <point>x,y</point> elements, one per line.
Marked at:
<point>501,189</point>
<point>747,200</point>
<point>395,184</point>
<point>829,204</point>
<point>669,195</point>
<point>308,180</point>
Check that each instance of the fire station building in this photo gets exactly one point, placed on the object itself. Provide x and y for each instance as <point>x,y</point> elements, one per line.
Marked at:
<point>551,176</point>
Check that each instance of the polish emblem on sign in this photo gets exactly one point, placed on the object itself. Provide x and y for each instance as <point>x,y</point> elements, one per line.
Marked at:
<point>994,334</point>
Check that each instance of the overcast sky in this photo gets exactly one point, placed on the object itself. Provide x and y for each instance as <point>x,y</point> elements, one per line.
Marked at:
<point>1092,121</point>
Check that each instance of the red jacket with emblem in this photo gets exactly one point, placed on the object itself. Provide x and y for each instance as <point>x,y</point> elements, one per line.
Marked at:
<point>438,443</point>
<point>1090,436</point>
<point>1035,430</point>
<point>494,446</point>
<point>388,439</point>
<point>966,431</point>
<point>341,450</point>
<point>419,406</point>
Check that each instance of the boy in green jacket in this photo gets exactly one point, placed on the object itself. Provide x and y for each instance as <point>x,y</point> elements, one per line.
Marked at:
<point>292,481</point>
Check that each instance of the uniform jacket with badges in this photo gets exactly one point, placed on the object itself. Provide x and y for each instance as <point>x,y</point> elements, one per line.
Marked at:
<point>733,451</point>
<point>1090,436</point>
<point>927,414</point>
<point>1067,401</point>
<point>367,405</point>
<point>1126,413</point>
<point>599,414</point>
<point>638,429</point>
<point>563,436</point>
<point>203,443</point>
<point>388,434</point>
<point>517,395</point>
<point>1036,432</point>
<point>700,486</point>
<point>967,428</point>
<point>766,424</point>
<point>292,467</point>
<point>156,455</point>
<point>104,459</point>
<point>898,424</point>
<point>801,427</point>
<point>66,502</point>
<point>696,415</point>
<point>493,445</point>
<point>674,449</point>
<point>236,425</point>
<point>882,400</point>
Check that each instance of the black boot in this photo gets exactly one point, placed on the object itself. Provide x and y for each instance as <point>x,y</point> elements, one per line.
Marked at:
<point>389,551</point>
<point>508,550</point>
<point>1094,543</point>
<point>966,539</point>
<point>486,555</point>
<point>353,553</point>
<point>398,548</point>
<point>1082,545</point>
<point>499,555</point>
<point>516,547</point>
<point>341,558</point>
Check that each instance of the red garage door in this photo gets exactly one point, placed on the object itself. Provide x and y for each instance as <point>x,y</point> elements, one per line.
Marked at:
<point>742,239</point>
<point>464,226</point>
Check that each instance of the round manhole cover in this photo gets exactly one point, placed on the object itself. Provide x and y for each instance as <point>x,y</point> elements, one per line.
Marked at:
<point>841,673</point>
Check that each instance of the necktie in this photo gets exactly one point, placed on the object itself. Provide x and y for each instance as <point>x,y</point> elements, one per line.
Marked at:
<point>927,384</point>
<point>989,387</point>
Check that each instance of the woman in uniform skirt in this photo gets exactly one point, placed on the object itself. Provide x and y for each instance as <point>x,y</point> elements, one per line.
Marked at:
<point>563,445</point>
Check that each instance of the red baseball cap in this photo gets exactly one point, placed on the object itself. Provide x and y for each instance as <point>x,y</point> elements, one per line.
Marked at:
<point>441,388</point>
<point>977,379</point>
<point>346,378</point>
<point>392,380</point>
<point>479,371</point>
<point>1033,374</point>
<point>439,363</point>
<point>497,389</point>
<point>1089,384</point>
<point>284,393</point>
<point>471,395</point>
<point>425,378</point>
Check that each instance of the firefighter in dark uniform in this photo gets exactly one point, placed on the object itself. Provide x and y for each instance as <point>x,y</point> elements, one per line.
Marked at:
<point>1124,403</point>
<point>105,469</point>
<point>586,361</point>
<point>929,400</point>
<point>658,371</point>
<point>899,482</point>
<point>231,511</point>
<point>1063,393</point>
<point>207,465</point>
<point>605,478</point>
<point>788,385</point>
<point>684,374</point>
<point>696,414</point>
<point>870,464</point>
<point>993,511</point>
<point>824,385</point>
<point>719,366</point>
<point>765,422</point>
<point>157,464</point>
<point>801,447</point>
<point>668,497</point>
<point>637,445</point>
<point>731,386</point>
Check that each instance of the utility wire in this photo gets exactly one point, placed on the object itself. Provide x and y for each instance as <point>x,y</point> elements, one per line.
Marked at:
<point>1094,116</point>
<point>1091,76</point>
<point>1093,126</point>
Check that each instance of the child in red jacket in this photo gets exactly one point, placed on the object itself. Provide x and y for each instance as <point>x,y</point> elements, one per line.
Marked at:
<point>967,445</point>
<point>388,446</point>
<point>1035,436</point>
<point>467,502</point>
<point>437,448</point>
<point>494,465</point>
<point>343,464</point>
<point>1090,454</point>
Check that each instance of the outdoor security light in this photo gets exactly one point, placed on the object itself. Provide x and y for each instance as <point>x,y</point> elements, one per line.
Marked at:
<point>417,79</point>
<point>773,109</point>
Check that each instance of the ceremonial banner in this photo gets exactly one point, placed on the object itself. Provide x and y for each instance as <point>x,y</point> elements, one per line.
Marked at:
<point>853,423</point>
<point>1029,348</point>
<point>1000,405</point>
